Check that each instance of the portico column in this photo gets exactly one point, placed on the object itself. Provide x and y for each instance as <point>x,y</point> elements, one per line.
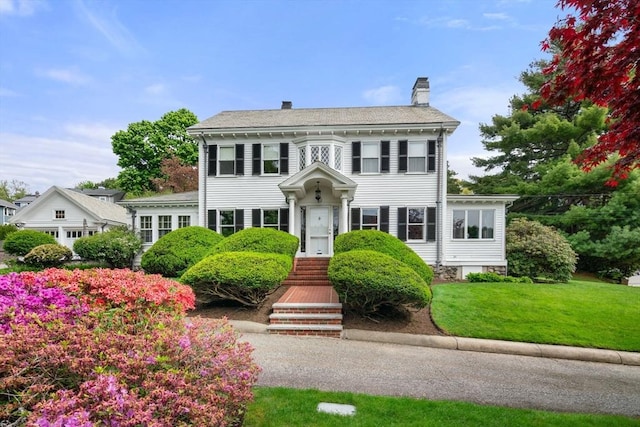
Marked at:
<point>344,213</point>
<point>292,214</point>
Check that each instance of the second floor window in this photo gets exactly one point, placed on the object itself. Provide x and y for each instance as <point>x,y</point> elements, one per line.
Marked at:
<point>416,156</point>
<point>370,156</point>
<point>227,161</point>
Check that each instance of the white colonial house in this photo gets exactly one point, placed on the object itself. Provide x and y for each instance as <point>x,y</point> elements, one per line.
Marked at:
<point>68,215</point>
<point>320,172</point>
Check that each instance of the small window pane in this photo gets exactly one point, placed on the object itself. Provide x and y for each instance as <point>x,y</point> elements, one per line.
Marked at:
<point>370,150</point>
<point>271,152</point>
<point>338,158</point>
<point>458,224</point>
<point>184,221</point>
<point>370,165</point>
<point>417,149</point>
<point>416,164</point>
<point>487,224</point>
<point>227,153</point>
<point>302,152</point>
<point>473,224</point>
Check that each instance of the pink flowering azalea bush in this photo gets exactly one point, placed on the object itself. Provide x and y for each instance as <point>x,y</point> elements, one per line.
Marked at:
<point>112,347</point>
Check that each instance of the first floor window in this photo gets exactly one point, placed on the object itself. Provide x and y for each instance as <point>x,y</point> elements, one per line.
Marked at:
<point>473,224</point>
<point>184,221</point>
<point>227,223</point>
<point>369,219</point>
<point>53,233</point>
<point>164,225</point>
<point>417,223</point>
<point>146,229</point>
<point>271,218</point>
<point>74,234</point>
<point>59,214</point>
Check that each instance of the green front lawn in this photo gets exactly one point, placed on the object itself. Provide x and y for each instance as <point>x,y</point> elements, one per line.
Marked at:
<point>291,407</point>
<point>580,313</point>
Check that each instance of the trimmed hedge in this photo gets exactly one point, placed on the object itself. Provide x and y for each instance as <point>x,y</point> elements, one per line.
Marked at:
<point>49,255</point>
<point>117,247</point>
<point>385,243</point>
<point>265,240</point>
<point>21,242</point>
<point>496,278</point>
<point>245,277</point>
<point>6,229</point>
<point>367,280</point>
<point>175,252</point>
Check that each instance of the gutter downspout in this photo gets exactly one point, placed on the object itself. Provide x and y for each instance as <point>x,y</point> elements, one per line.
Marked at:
<point>205,148</point>
<point>439,201</point>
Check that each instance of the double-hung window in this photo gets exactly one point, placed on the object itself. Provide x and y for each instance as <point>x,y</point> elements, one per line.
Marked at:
<point>370,157</point>
<point>146,229</point>
<point>417,223</point>
<point>184,221</point>
<point>370,219</point>
<point>226,161</point>
<point>271,218</point>
<point>164,225</point>
<point>416,156</point>
<point>227,223</point>
<point>473,224</point>
<point>271,158</point>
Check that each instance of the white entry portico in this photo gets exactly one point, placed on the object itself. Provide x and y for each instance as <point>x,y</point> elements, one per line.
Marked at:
<point>318,198</point>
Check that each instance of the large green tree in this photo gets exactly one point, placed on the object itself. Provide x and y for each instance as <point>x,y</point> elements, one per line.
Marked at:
<point>12,190</point>
<point>144,145</point>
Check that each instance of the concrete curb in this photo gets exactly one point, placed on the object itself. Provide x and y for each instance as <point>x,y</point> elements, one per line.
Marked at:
<point>474,344</point>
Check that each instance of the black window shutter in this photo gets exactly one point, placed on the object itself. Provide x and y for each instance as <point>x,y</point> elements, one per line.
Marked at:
<point>384,160</point>
<point>255,217</point>
<point>355,157</point>
<point>257,158</point>
<point>239,159</point>
<point>384,218</point>
<point>431,156</point>
<point>212,219</point>
<point>431,224</point>
<point>355,219</point>
<point>213,163</point>
<point>284,158</point>
<point>402,156</point>
<point>239,219</point>
<point>284,219</point>
<point>402,224</point>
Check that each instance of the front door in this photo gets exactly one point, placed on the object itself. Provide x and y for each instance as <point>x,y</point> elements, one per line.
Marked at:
<point>319,226</point>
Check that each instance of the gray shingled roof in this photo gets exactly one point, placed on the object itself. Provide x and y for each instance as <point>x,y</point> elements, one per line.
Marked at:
<point>186,198</point>
<point>303,117</point>
<point>105,210</point>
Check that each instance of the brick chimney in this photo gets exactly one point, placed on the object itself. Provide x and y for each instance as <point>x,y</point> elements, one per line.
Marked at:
<point>286,105</point>
<point>420,92</point>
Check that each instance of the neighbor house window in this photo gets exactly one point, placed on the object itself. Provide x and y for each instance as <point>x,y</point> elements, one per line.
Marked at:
<point>74,234</point>
<point>59,214</point>
<point>146,229</point>
<point>164,225</point>
<point>473,224</point>
<point>184,221</point>
<point>227,223</point>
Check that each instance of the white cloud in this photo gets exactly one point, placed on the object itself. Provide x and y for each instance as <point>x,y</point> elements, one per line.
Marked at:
<point>156,89</point>
<point>21,7</point>
<point>4,92</point>
<point>383,95</point>
<point>497,16</point>
<point>454,23</point>
<point>91,131</point>
<point>108,24</point>
<point>70,76</point>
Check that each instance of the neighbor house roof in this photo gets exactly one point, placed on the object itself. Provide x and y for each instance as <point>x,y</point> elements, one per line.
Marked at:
<point>107,211</point>
<point>6,204</point>
<point>188,198</point>
<point>307,117</point>
<point>97,192</point>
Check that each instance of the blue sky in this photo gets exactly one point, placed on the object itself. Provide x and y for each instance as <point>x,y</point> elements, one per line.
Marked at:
<point>73,72</point>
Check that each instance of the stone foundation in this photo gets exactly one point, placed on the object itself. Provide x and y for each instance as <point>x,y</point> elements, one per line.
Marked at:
<point>454,273</point>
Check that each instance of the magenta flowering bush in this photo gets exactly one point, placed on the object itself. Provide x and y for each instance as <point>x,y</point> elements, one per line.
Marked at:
<point>111,367</point>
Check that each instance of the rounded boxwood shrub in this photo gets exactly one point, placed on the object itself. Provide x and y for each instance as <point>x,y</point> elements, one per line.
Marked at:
<point>385,243</point>
<point>49,255</point>
<point>536,250</point>
<point>367,281</point>
<point>266,240</point>
<point>117,247</point>
<point>178,250</point>
<point>245,277</point>
<point>21,242</point>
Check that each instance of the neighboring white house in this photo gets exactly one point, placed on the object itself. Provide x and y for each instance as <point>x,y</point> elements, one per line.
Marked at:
<point>319,172</point>
<point>153,217</point>
<point>68,215</point>
<point>7,210</point>
<point>24,201</point>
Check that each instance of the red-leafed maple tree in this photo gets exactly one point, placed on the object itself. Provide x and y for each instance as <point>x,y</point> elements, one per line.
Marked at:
<point>599,59</point>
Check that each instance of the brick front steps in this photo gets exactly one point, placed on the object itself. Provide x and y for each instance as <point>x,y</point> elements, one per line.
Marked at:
<point>310,306</point>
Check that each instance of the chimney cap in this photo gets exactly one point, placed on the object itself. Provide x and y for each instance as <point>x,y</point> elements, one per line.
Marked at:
<point>286,105</point>
<point>421,83</point>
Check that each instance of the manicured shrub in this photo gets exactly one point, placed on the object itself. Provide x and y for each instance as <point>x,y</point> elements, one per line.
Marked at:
<point>367,281</point>
<point>6,229</point>
<point>538,251</point>
<point>178,250</point>
<point>385,243</point>
<point>21,242</point>
<point>49,255</point>
<point>245,277</point>
<point>496,278</point>
<point>265,240</point>
<point>61,365</point>
<point>117,247</point>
